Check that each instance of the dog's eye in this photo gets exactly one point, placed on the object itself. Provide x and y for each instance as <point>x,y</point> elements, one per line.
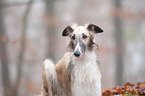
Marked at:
<point>73,37</point>
<point>85,36</point>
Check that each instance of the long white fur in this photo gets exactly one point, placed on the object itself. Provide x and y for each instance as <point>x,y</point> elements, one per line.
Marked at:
<point>87,77</point>
<point>86,74</point>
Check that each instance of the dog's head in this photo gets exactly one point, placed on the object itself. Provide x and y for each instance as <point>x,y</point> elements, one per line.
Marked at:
<point>81,38</point>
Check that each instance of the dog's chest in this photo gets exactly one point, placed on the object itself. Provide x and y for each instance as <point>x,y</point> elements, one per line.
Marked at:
<point>84,75</point>
<point>85,80</point>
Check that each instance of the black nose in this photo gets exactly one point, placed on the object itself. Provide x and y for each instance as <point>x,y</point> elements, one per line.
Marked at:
<point>77,53</point>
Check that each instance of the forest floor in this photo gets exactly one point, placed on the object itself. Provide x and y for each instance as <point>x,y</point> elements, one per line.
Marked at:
<point>127,90</point>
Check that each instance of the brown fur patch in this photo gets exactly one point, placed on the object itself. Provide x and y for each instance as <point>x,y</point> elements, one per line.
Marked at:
<point>69,71</point>
<point>91,44</point>
<point>61,70</point>
<point>71,46</point>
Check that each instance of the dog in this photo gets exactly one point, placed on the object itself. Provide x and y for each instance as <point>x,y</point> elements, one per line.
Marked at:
<point>77,73</point>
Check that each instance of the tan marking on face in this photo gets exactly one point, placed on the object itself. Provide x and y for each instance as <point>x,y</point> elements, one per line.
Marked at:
<point>80,44</point>
<point>81,29</point>
<point>78,32</point>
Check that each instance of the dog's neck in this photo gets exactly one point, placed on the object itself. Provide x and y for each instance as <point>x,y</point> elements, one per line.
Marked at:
<point>88,58</point>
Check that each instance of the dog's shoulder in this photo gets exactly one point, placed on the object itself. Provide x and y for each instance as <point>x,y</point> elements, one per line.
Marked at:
<point>62,71</point>
<point>64,62</point>
<point>62,66</point>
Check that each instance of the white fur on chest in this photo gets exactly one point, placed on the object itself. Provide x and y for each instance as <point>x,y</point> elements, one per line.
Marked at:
<point>86,77</point>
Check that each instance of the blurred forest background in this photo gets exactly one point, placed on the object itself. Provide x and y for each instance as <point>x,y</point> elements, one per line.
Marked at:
<point>30,32</point>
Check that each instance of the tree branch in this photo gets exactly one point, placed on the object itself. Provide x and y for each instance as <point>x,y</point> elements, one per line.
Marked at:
<point>4,58</point>
<point>22,50</point>
<point>119,44</point>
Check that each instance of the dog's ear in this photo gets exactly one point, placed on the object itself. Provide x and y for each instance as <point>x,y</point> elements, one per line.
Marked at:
<point>67,31</point>
<point>94,28</point>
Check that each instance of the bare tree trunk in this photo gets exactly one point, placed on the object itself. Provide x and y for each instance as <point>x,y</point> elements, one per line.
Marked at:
<point>119,42</point>
<point>51,29</point>
<point>3,57</point>
<point>22,50</point>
